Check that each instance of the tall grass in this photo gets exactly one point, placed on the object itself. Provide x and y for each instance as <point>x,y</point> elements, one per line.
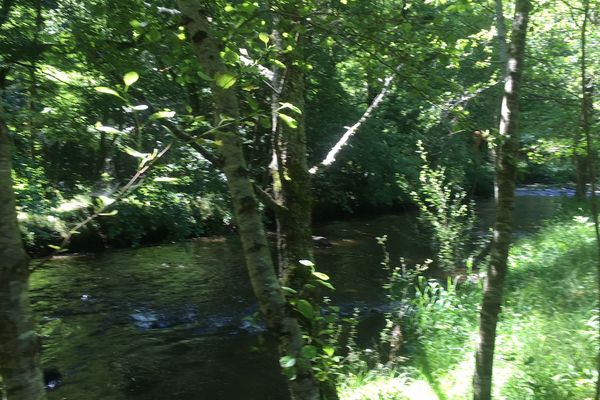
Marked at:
<point>547,335</point>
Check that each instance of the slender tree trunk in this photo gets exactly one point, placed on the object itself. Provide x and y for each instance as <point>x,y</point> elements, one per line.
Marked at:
<point>289,169</point>
<point>503,58</point>
<point>587,110</point>
<point>260,266</point>
<point>294,187</point>
<point>506,174</point>
<point>19,343</point>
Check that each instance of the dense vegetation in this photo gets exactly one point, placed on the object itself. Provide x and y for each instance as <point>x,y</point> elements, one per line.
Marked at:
<point>133,123</point>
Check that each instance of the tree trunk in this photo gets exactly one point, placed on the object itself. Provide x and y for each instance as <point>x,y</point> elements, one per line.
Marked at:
<point>292,186</point>
<point>581,170</point>
<point>19,343</point>
<point>506,173</point>
<point>587,110</point>
<point>260,266</point>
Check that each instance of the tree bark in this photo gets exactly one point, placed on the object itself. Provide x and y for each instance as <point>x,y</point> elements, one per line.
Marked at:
<point>587,110</point>
<point>19,343</point>
<point>260,266</point>
<point>506,173</point>
<point>292,187</point>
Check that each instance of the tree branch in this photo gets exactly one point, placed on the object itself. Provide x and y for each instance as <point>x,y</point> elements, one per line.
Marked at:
<point>330,158</point>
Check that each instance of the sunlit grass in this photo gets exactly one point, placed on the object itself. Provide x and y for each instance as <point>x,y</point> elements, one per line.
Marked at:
<point>547,335</point>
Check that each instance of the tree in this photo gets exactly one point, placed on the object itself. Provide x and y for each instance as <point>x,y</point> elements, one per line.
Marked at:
<point>19,343</point>
<point>256,251</point>
<point>506,167</point>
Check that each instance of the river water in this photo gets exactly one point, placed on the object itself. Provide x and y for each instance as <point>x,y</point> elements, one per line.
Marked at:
<point>171,322</point>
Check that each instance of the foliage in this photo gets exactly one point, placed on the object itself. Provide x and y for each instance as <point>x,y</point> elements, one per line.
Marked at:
<point>548,332</point>
<point>320,327</point>
<point>444,209</point>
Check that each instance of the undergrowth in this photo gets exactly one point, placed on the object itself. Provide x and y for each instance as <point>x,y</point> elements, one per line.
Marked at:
<point>547,335</point>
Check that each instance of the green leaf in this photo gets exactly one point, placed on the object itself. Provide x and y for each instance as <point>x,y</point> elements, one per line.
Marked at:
<point>140,107</point>
<point>264,37</point>
<point>287,361</point>
<point>329,350</point>
<point>308,352</point>
<point>305,308</point>
<point>130,78</point>
<point>289,290</point>
<point>225,80</point>
<point>165,179</point>
<point>230,56</point>
<point>307,263</point>
<point>326,284</point>
<point>162,114</point>
<point>290,106</point>
<point>204,76</point>
<point>321,276</point>
<point>135,153</point>
<point>105,200</point>
<point>279,64</point>
<point>107,129</point>
<point>109,214</point>
<point>153,36</point>
<point>106,90</point>
<point>289,121</point>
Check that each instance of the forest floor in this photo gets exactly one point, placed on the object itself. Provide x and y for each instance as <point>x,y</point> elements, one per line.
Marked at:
<point>547,336</point>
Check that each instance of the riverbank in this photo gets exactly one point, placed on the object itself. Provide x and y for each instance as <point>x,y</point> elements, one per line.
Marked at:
<point>547,338</point>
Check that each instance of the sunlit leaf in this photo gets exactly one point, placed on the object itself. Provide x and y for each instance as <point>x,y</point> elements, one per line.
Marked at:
<point>307,263</point>
<point>162,114</point>
<point>225,80</point>
<point>287,361</point>
<point>326,284</point>
<point>321,276</point>
<point>289,290</point>
<point>107,129</point>
<point>104,89</point>
<point>165,179</point>
<point>328,350</point>
<point>230,56</point>
<point>289,121</point>
<point>290,106</point>
<point>130,78</point>
<point>264,37</point>
<point>109,214</point>
<point>140,107</point>
<point>279,64</point>
<point>135,153</point>
<point>106,201</point>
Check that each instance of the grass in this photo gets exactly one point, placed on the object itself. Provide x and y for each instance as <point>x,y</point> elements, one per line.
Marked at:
<point>547,336</point>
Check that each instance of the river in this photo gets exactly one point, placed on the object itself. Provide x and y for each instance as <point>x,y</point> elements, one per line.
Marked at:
<point>171,321</point>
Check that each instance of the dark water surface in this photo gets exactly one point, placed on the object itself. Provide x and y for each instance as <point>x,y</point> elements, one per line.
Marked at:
<point>171,322</point>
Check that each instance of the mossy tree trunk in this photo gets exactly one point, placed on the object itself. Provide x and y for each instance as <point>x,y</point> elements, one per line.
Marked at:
<point>291,188</point>
<point>291,180</point>
<point>506,163</point>
<point>19,343</point>
<point>260,265</point>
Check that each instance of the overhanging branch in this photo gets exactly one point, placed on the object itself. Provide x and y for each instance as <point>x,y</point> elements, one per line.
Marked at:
<point>351,131</point>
